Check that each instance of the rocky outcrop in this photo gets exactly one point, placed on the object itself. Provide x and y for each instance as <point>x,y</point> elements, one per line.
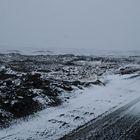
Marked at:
<point>30,83</point>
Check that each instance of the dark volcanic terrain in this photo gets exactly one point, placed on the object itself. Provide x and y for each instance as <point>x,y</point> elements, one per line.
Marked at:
<point>31,83</point>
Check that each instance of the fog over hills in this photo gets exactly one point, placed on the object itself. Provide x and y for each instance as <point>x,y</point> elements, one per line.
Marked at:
<point>76,51</point>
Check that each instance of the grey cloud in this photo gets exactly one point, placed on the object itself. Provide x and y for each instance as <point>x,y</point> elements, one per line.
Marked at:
<point>96,24</point>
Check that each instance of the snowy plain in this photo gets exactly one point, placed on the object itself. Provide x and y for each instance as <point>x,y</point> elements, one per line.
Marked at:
<point>83,106</point>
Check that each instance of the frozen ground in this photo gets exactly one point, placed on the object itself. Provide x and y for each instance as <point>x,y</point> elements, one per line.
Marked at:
<point>86,105</point>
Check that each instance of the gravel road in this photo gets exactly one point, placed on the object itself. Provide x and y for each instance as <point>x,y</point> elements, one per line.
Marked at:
<point>122,124</point>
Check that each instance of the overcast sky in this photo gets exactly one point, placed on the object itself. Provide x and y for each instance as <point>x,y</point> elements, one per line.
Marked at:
<point>97,24</point>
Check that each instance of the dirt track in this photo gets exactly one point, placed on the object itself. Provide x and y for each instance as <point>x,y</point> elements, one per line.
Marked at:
<point>122,124</point>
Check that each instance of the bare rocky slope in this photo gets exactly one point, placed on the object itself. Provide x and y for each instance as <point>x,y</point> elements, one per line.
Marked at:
<point>31,83</point>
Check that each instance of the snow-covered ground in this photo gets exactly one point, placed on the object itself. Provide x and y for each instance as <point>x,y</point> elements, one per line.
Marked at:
<point>83,106</point>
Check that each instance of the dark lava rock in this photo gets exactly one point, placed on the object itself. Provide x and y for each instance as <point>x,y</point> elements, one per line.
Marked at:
<point>129,70</point>
<point>24,90</point>
<point>5,119</point>
<point>19,100</point>
<point>98,82</point>
<point>6,76</point>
